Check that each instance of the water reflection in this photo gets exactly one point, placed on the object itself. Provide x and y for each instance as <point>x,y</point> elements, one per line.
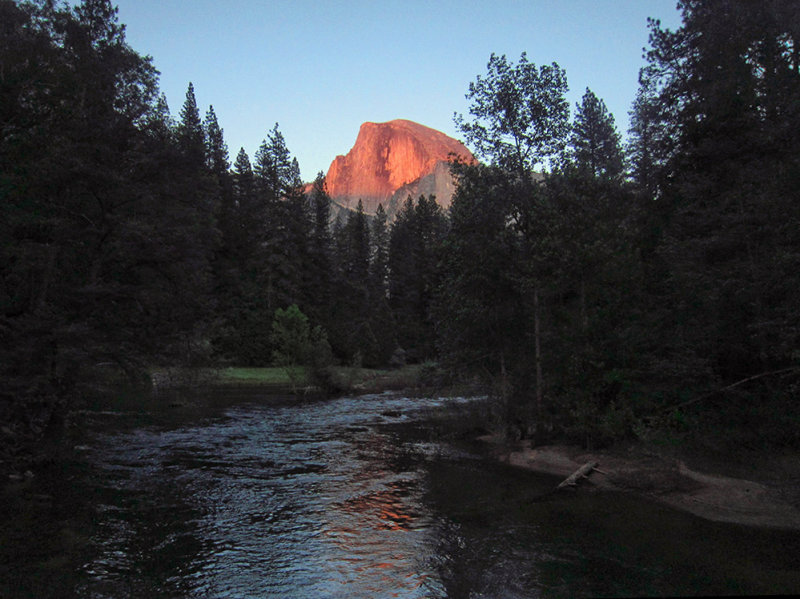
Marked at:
<point>260,501</point>
<point>332,499</point>
<point>374,540</point>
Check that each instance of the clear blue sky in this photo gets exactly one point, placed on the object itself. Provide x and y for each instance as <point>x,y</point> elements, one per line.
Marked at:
<point>321,68</point>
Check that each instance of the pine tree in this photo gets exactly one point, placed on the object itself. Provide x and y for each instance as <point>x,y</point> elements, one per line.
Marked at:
<point>244,188</point>
<point>191,139</point>
<point>356,260</point>
<point>727,82</point>
<point>595,143</point>
<point>218,166</point>
<point>378,266</point>
<point>351,336</point>
<point>276,172</point>
<point>413,274</point>
<point>320,266</point>
<point>279,188</point>
<point>160,122</point>
<point>646,146</point>
<point>244,334</point>
<point>216,148</point>
<point>381,317</point>
<point>481,316</point>
<point>102,259</point>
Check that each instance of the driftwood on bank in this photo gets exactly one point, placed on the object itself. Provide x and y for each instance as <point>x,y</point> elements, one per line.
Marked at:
<point>582,472</point>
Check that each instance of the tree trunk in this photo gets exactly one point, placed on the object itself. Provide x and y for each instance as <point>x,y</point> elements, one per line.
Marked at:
<point>537,349</point>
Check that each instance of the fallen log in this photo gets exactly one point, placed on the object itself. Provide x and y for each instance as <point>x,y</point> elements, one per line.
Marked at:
<point>580,473</point>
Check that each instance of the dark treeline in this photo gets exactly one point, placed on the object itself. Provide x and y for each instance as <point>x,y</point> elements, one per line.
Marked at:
<point>130,241</point>
<point>655,286</point>
<point>599,290</point>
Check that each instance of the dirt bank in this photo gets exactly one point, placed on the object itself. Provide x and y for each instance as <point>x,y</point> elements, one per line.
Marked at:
<point>769,498</point>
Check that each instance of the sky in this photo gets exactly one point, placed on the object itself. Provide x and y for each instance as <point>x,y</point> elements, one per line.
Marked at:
<point>320,68</point>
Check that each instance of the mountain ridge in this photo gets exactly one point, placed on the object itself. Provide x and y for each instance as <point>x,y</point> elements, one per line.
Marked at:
<point>398,156</point>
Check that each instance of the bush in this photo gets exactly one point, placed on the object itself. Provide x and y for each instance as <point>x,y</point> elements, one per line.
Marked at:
<point>297,344</point>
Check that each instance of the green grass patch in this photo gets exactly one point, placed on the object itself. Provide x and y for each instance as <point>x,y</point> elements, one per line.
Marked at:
<point>260,376</point>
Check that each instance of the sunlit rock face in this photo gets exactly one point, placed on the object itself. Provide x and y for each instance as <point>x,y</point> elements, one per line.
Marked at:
<point>389,156</point>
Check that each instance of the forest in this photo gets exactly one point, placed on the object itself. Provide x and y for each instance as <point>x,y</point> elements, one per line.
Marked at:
<point>600,290</point>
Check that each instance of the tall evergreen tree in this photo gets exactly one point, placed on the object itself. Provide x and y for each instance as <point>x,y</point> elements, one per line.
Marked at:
<point>356,259</point>
<point>320,266</point>
<point>413,274</point>
<point>244,335</point>
<point>728,83</point>
<point>482,322</point>
<point>378,264</point>
<point>646,145</point>
<point>102,258</point>
<point>351,336</point>
<point>216,149</point>
<point>245,202</point>
<point>382,322</point>
<point>272,162</point>
<point>277,173</point>
<point>595,143</point>
<point>218,167</point>
<point>191,139</point>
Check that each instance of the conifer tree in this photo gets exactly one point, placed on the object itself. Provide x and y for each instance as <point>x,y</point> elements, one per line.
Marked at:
<point>480,311</point>
<point>320,266</point>
<point>218,165</point>
<point>216,148</point>
<point>413,274</point>
<point>190,133</point>
<point>646,145</point>
<point>322,215</point>
<point>244,334</point>
<point>276,172</point>
<point>356,260</point>
<point>378,266</point>
<point>381,317</point>
<point>351,336</point>
<point>278,186</point>
<point>595,143</point>
<point>243,186</point>
<point>727,86</point>
<point>160,123</point>
<point>101,259</point>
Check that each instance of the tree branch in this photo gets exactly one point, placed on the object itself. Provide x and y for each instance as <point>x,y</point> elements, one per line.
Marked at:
<point>731,386</point>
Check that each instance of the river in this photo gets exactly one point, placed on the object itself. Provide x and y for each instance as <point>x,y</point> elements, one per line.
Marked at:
<point>244,495</point>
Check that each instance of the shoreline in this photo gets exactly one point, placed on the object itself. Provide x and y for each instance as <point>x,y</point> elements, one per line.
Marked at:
<point>669,481</point>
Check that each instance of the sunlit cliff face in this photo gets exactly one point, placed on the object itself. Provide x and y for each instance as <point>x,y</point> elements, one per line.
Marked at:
<point>387,156</point>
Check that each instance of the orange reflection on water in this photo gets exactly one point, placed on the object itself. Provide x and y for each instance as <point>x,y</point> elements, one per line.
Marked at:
<point>381,509</point>
<point>375,558</point>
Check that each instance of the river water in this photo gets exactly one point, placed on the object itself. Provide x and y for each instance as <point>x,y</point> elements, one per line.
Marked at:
<point>252,496</point>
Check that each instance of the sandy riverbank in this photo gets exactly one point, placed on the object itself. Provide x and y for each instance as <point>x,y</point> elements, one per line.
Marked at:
<point>773,501</point>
